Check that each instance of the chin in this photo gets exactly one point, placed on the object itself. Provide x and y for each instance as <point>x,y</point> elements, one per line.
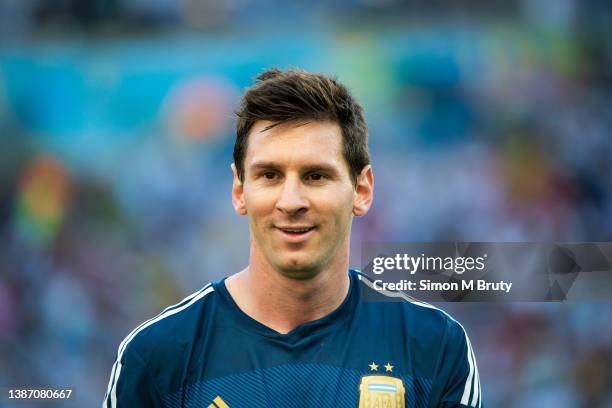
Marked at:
<point>298,269</point>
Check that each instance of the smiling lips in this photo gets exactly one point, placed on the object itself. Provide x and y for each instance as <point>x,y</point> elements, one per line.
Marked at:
<point>295,232</point>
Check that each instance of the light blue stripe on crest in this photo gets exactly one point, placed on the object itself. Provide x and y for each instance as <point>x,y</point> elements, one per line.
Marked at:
<point>382,387</point>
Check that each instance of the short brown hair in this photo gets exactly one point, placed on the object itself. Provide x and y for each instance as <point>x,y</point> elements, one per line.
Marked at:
<point>296,95</point>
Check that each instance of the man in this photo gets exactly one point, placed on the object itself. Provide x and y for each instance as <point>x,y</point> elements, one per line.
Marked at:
<point>290,330</point>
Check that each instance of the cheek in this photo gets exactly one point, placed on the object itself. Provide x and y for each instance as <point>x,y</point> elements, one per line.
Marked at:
<point>258,202</point>
<point>339,211</point>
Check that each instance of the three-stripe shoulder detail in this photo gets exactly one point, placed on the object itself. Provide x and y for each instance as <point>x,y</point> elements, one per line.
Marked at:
<point>111,392</point>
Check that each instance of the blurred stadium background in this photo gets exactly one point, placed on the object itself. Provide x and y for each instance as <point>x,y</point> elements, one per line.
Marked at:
<point>489,121</point>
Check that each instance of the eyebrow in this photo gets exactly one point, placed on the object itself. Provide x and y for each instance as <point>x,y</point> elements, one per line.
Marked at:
<point>263,165</point>
<point>267,165</point>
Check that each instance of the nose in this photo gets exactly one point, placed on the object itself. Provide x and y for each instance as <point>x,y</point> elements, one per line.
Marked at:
<point>292,199</point>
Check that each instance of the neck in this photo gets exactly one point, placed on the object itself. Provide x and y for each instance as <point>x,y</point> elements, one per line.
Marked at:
<point>283,303</point>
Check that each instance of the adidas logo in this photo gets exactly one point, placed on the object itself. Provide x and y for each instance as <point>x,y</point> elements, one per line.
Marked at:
<point>218,403</point>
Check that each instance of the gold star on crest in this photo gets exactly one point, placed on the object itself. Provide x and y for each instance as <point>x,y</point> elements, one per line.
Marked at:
<point>373,366</point>
<point>388,367</point>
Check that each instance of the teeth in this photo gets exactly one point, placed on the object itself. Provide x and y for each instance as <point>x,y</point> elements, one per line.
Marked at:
<point>297,230</point>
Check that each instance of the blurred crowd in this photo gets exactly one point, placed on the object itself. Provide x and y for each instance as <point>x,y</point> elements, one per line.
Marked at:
<point>487,123</point>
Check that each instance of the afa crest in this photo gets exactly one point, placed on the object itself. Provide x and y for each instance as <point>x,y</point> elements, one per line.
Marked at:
<point>380,391</point>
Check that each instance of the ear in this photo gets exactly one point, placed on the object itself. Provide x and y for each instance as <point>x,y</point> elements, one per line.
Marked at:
<point>364,192</point>
<point>238,193</point>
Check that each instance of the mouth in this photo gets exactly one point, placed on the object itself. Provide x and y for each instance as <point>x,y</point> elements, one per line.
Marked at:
<point>296,233</point>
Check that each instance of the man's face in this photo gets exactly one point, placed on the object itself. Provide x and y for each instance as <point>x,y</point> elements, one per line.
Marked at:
<point>299,196</point>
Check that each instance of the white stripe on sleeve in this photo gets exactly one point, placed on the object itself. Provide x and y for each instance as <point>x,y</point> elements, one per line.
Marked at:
<point>169,311</point>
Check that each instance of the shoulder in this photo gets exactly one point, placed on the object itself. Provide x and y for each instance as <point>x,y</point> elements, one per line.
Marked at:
<point>174,327</point>
<point>419,319</point>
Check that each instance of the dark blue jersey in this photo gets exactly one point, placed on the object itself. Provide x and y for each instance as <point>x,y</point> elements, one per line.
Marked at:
<point>206,352</point>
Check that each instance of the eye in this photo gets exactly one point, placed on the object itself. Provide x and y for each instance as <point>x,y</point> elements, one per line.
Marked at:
<point>269,175</point>
<point>316,176</point>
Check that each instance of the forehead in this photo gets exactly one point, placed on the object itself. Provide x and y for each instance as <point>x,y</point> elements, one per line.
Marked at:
<point>307,143</point>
